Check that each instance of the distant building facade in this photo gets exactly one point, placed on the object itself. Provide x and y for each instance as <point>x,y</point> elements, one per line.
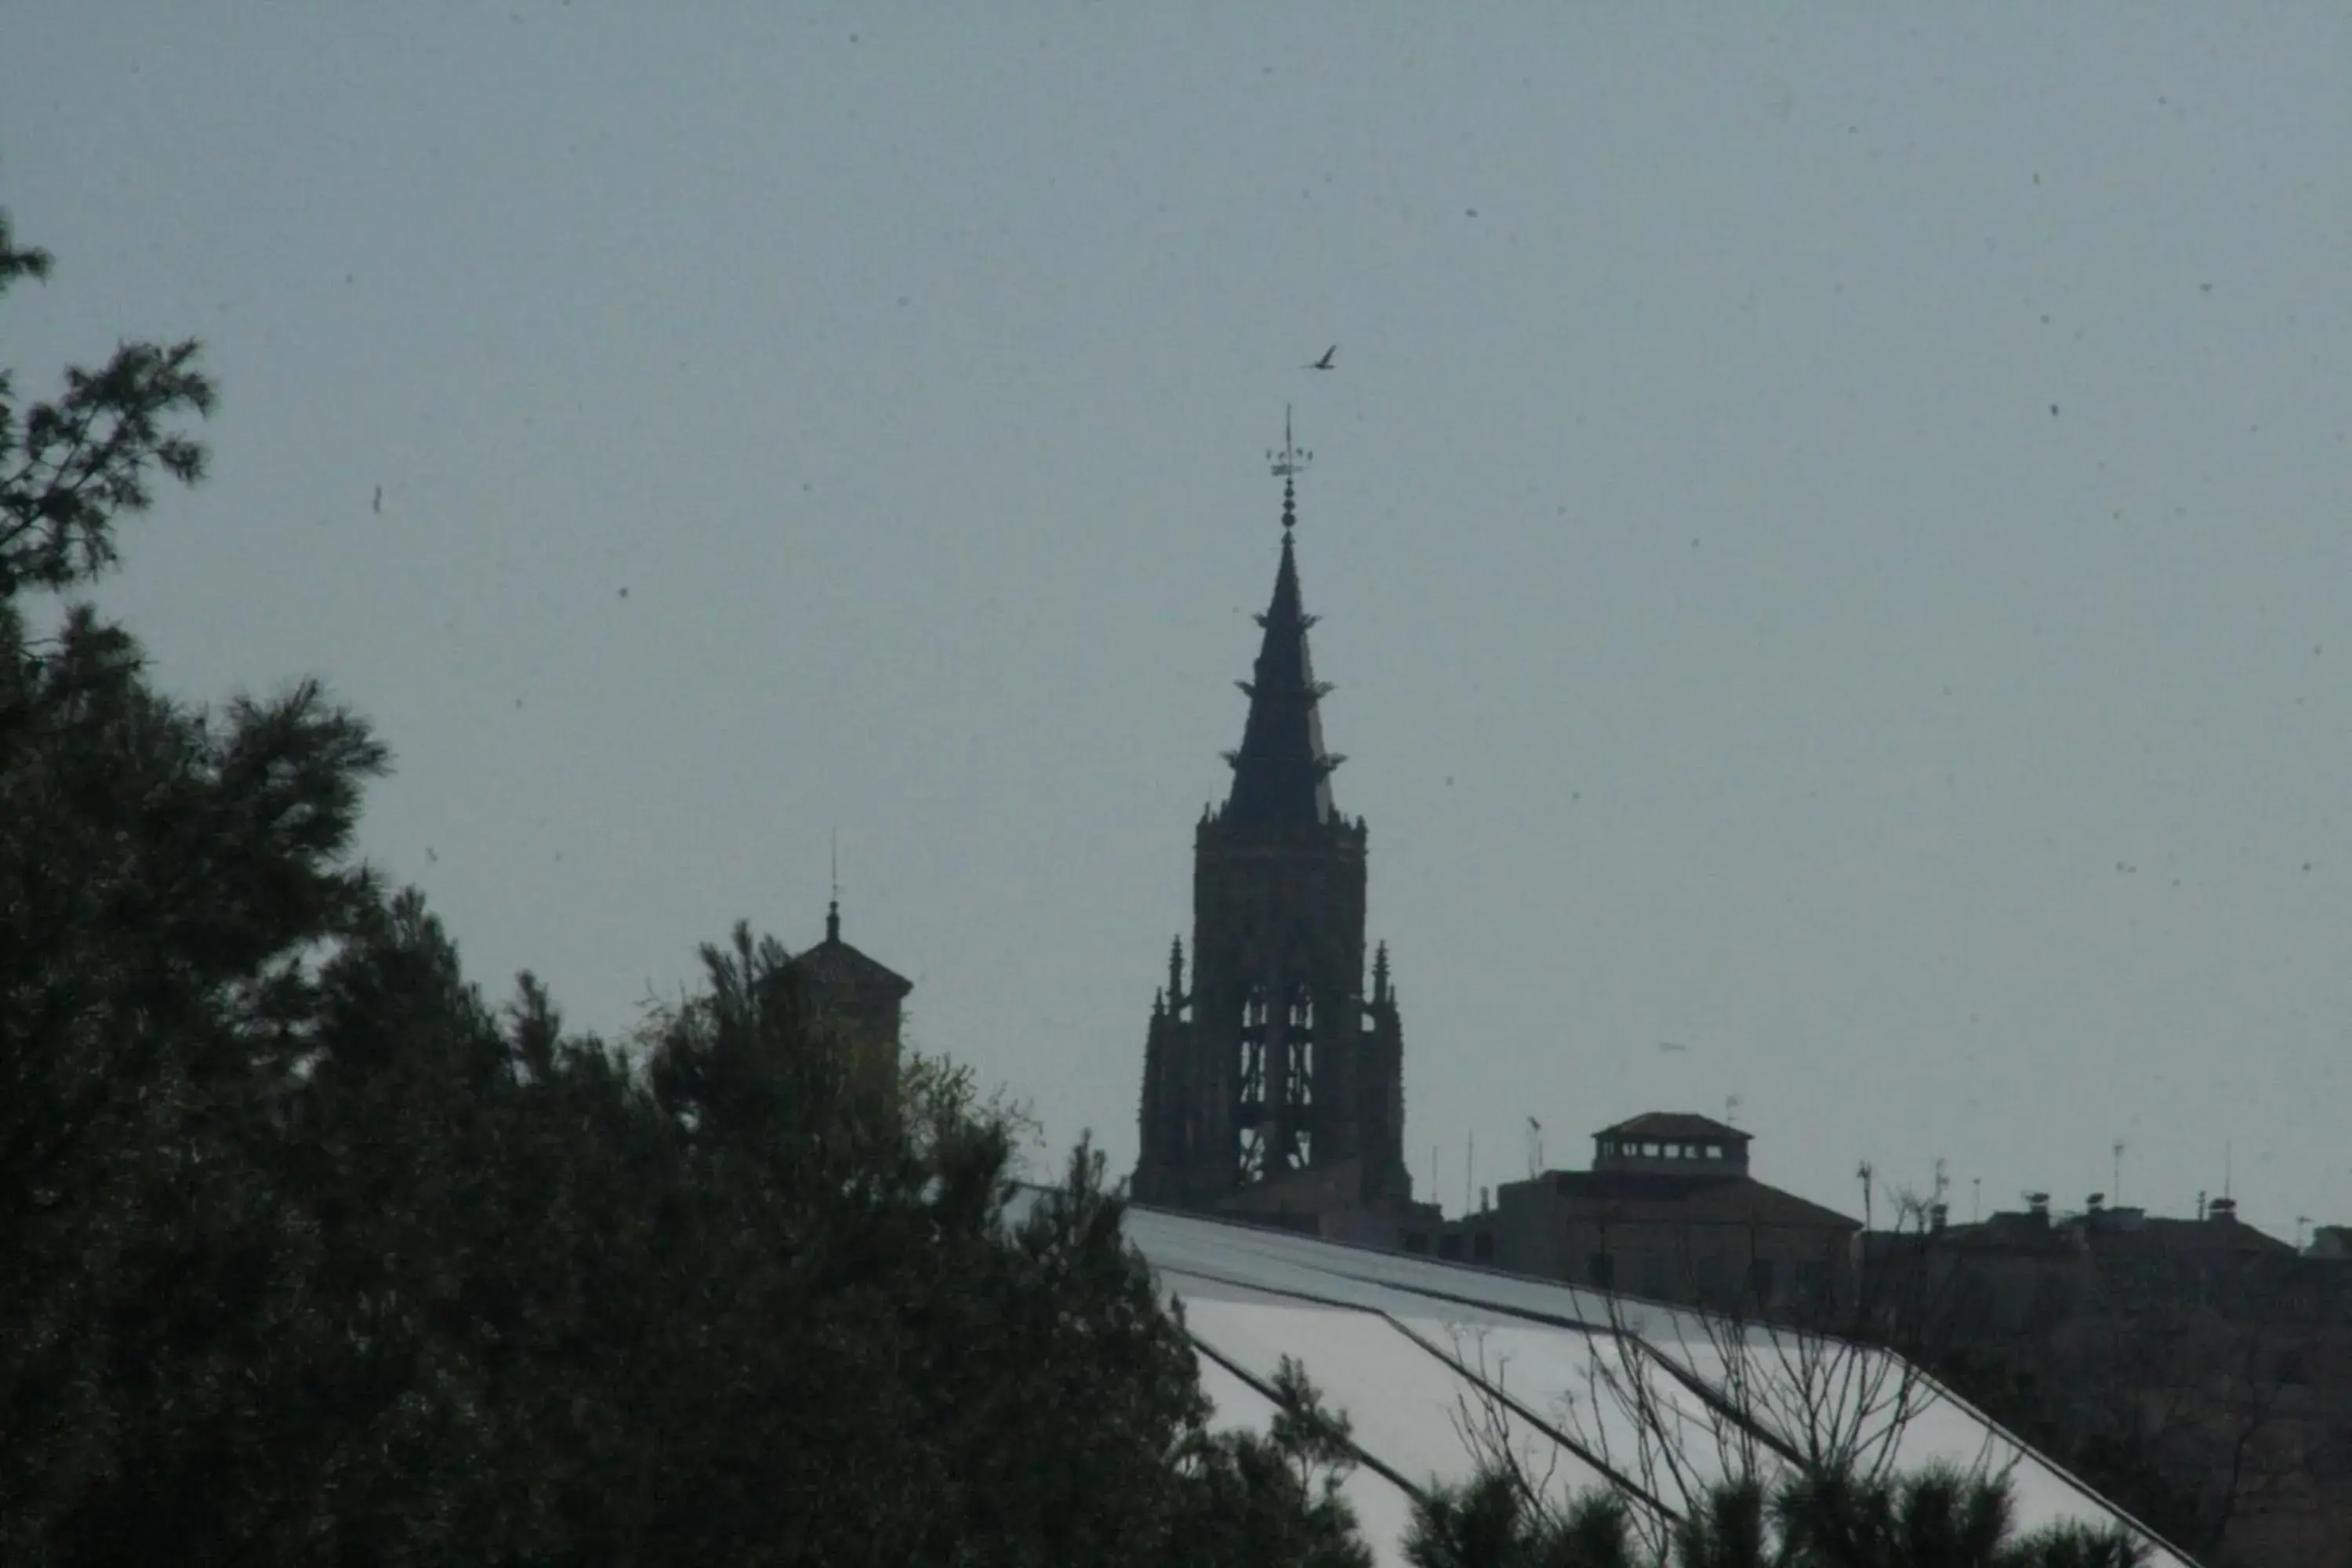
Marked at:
<point>2201,1363</point>
<point>2018,1275</point>
<point>1274,1078</point>
<point>1668,1211</point>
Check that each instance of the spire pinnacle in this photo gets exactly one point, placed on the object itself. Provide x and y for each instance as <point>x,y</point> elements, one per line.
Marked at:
<point>1281,772</point>
<point>833,909</point>
<point>1287,464</point>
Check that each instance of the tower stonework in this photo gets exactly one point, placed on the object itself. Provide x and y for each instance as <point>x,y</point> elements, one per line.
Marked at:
<point>1273,1079</point>
<point>865,1000</point>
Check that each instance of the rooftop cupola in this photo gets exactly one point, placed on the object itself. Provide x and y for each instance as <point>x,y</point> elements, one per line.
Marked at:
<point>1672,1143</point>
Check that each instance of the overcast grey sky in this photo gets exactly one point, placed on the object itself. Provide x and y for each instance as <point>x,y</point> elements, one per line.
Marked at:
<point>1831,531</point>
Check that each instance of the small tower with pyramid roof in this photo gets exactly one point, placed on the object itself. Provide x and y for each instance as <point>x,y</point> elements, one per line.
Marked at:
<point>1272,1082</point>
<point>858,996</point>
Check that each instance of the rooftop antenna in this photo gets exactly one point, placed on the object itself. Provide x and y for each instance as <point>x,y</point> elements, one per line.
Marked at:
<point>1287,464</point>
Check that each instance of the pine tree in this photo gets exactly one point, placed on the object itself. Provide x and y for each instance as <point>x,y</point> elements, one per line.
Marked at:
<point>310,1254</point>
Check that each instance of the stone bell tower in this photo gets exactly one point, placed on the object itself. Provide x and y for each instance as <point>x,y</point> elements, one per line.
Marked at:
<point>1273,1080</point>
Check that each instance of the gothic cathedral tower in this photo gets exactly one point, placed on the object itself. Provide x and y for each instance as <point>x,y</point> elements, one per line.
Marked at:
<point>1274,1083</point>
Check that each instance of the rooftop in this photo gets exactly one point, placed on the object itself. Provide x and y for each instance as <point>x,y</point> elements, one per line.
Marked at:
<point>2115,1232</point>
<point>835,965</point>
<point>1680,1125</point>
<point>1673,1144</point>
<point>1621,1198</point>
<point>1398,1343</point>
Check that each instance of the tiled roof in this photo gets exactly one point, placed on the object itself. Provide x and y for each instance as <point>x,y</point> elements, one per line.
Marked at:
<point>835,963</point>
<point>2164,1236</point>
<point>1631,1196</point>
<point>1672,1124</point>
<point>2177,1235</point>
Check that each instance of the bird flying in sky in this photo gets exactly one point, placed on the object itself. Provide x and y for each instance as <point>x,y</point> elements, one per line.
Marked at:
<point>1325,363</point>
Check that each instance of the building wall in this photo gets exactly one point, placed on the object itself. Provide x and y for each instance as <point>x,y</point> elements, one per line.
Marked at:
<point>866,1019</point>
<point>2196,1359</point>
<point>1275,908</point>
<point>1696,1259</point>
<point>1303,1195</point>
<point>1731,1264</point>
<point>1531,1230</point>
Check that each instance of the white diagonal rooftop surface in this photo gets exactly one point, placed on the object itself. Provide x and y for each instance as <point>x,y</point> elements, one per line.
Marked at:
<point>1409,1348</point>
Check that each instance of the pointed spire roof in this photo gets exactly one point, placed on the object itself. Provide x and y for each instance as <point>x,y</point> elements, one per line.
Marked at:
<point>834,962</point>
<point>1282,774</point>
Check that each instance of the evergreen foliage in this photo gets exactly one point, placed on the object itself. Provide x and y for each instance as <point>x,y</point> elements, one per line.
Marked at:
<point>1272,1496</point>
<point>310,1254</point>
<point>1831,1519</point>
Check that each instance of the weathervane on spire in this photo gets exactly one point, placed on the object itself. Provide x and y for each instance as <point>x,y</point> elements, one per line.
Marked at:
<point>1288,464</point>
<point>833,911</point>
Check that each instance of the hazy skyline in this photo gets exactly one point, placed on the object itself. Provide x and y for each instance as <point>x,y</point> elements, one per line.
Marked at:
<point>1830,529</point>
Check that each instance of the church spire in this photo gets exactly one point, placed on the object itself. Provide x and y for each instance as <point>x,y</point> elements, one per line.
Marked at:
<point>1281,776</point>
<point>1263,1061</point>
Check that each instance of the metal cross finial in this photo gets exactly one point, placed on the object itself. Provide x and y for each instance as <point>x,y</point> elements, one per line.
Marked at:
<point>833,909</point>
<point>1288,464</point>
